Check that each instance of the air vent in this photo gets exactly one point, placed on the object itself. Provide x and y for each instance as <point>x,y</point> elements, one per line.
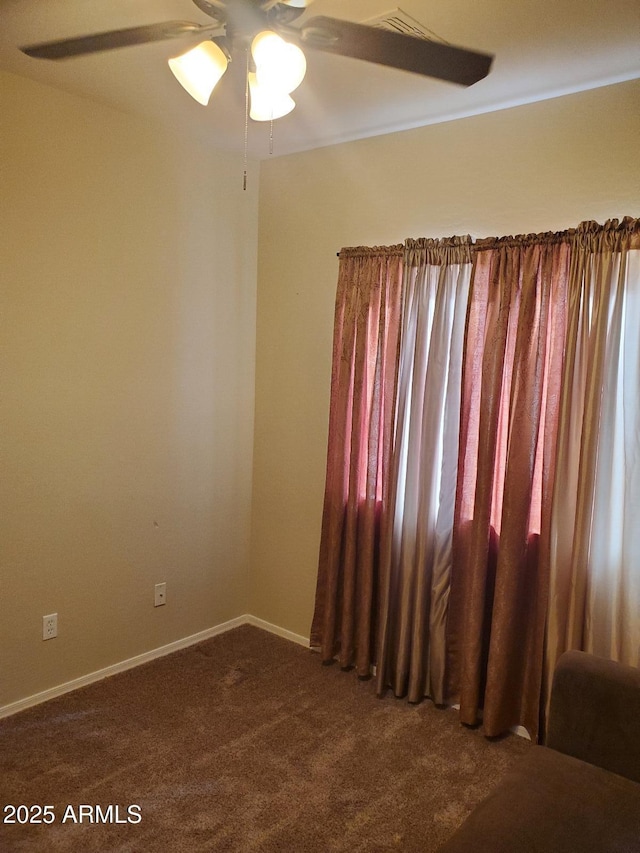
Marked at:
<point>400,22</point>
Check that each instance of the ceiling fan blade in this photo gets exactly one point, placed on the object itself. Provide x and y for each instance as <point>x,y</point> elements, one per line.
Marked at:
<point>294,4</point>
<point>115,38</point>
<point>396,50</point>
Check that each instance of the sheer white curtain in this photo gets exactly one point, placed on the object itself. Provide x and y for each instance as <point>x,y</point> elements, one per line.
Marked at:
<point>612,627</point>
<point>595,543</point>
<point>415,571</point>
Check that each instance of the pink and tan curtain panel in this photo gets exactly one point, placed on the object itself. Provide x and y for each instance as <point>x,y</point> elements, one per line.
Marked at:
<point>483,470</point>
<point>361,426</point>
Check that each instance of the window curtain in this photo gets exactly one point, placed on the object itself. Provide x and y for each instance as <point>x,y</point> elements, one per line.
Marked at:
<point>361,421</point>
<point>416,567</point>
<point>510,388</point>
<point>594,602</point>
<point>532,409</point>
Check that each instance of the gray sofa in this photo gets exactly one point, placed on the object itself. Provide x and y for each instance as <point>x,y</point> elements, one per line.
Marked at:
<point>580,793</point>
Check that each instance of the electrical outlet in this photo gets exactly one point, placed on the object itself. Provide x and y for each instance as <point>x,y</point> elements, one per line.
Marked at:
<point>160,594</point>
<point>50,626</point>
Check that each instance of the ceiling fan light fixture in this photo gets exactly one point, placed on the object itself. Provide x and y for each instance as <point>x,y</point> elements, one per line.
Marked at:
<point>280,66</point>
<point>267,105</point>
<point>199,69</point>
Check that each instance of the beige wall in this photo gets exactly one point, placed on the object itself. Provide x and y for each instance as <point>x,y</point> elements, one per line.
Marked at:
<point>128,267</point>
<point>534,168</point>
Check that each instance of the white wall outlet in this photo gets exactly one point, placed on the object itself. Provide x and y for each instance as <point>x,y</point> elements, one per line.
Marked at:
<point>160,594</point>
<point>50,626</point>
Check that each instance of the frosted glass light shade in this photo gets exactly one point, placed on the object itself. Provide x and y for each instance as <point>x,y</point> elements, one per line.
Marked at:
<point>199,69</point>
<point>267,105</point>
<point>280,66</point>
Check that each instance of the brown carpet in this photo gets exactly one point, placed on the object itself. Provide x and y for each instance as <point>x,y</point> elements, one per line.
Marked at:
<point>243,743</point>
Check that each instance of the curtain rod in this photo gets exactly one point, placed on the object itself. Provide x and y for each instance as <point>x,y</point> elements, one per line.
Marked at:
<point>348,251</point>
<point>627,224</point>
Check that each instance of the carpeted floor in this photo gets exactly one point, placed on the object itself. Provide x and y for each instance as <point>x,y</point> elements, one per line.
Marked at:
<point>241,743</point>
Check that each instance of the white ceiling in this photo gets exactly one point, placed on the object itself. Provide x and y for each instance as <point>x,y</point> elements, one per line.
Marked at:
<point>542,49</point>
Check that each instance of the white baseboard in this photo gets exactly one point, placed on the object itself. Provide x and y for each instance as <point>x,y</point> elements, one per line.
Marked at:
<point>515,730</point>
<point>520,731</point>
<point>130,663</point>
<point>275,629</point>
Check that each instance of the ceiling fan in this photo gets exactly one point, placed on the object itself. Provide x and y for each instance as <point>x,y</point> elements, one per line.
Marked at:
<point>275,62</point>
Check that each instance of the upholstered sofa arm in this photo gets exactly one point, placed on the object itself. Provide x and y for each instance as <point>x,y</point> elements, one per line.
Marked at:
<point>595,713</point>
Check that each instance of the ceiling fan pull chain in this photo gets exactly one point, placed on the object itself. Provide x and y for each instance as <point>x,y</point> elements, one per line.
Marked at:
<point>271,138</point>
<point>246,121</point>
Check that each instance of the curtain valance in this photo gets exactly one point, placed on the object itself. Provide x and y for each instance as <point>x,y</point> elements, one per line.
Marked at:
<point>613,235</point>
